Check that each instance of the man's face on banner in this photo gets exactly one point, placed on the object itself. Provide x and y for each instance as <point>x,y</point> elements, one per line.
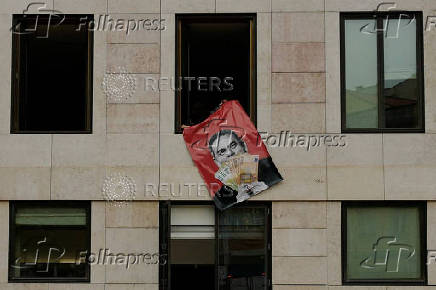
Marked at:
<point>226,144</point>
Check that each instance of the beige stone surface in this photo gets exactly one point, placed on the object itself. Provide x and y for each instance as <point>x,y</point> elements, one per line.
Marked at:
<point>298,87</point>
<point>188,6</point>
<point>99,97</point>
<point>136,214</point>
<point>299,215</point>
<point>355,171</point>
<point>334,239</point>
<point>4,241</point>
<point>24,286</point>
<point>132,150</point>
<point>77,183</point>
<point>298,57</point>
<point>410,166</point>
<point>371,5</point>
<point>298,118</point>
<point>98,238</point>
<point>180,183</point>
<point>143,28</point>
<point>135,241</point>
<point>297,5</point>
<point>70,150</point>
<point>298,27</point>
<point>135,58</point>
<point>81,6</point>
<point>245,6</point>
<point>133,118</point>
<point>173,151</point>
<point>17,6</point>
<point>333,74</point>
<point>5,70</point>
<point>263,60</point>
<point>167,61</point>
<point>27,150</point>
<point>299,242</point>
<point>299,270</point>
<point>25,183</point>
<point>134,6</point>
<point>300,183</point>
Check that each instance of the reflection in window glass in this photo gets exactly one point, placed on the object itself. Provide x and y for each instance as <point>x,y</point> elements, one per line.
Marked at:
<point>383,243</point>
<point>400,85</point>
<point>47,243</point>
<point>361,74</point>
<point>242,249</point>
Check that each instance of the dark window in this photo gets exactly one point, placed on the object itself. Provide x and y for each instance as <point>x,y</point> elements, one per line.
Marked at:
<point>51,74</point>
<point>215,60</point>
<point>212,249</point>
<point>382,72</point>
<point>48,240</point>
<point>384,243</point>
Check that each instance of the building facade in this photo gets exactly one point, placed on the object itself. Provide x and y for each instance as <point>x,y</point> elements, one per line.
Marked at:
<point>316,68</point>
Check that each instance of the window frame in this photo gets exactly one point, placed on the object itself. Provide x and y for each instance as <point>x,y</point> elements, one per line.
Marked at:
<point>380,16</point>
<point>178,58</point>
<point>15,81</point>
<point>49,204</point>
<point>165,238</point>
<point>422,206</point>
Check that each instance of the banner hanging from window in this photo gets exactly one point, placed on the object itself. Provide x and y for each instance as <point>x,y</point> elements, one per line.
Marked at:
<point>230,155</point>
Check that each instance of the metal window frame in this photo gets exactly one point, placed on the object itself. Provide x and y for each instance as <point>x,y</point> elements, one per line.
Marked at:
<point>165,231</point>
<point>15,81</point>
<point>422,207</point>
<point>12,234</point>
<point>180,18</point>
<point>380,16</point>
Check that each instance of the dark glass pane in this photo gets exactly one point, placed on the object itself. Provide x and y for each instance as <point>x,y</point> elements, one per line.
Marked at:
<point>400,84</point>
<point>192,247</point>
<point>53,75</point>
<point>214,49</point>
<point>361,95</point>
<point>242,249</point>
<point>384,243</point>
<point>49,253</point>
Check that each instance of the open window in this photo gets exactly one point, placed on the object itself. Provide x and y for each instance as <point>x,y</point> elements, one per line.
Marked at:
<point>215,60</point>
<point>212,249</point>
<point>51,74</point>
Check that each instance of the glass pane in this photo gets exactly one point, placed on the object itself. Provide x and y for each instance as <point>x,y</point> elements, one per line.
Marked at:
<point>361,74</point>
<point>49,253</point>
<point>400,84</point>
<point>383,243</point>
<point>192,247</point>
<point>50,216</point>
<point>242,249</point>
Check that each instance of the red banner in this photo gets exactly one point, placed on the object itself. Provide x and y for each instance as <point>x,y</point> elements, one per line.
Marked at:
<point>230,155</point>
